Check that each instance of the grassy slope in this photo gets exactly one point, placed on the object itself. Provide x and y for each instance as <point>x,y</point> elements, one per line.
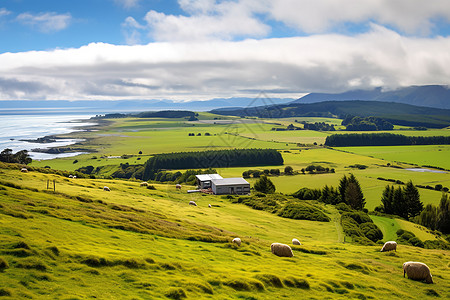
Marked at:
<point>148,264</point>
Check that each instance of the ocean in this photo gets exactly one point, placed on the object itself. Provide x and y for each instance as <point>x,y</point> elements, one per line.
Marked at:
<point>15,128</point>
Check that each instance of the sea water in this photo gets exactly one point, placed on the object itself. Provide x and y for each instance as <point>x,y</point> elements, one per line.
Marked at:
<point>14,129</point>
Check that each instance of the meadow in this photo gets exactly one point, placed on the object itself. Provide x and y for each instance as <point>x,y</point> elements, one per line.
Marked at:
<point>134,243</point>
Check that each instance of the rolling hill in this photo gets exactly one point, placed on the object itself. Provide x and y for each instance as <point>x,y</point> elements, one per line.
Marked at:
<point>436,96</point>
<point>396,113</point>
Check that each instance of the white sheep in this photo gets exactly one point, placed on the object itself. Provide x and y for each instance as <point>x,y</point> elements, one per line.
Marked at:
<point>281,250</point>
<point>209,205</point>
<point>144,183</point>
<point>417,271</point>
<point>389,246</point>
<point>237,241</point>
<point>178,186</point>
<point>24,170</point>
<point>70,176</point>
<point>192,203</point>
<point>296,242</point>
<point>105,188</point>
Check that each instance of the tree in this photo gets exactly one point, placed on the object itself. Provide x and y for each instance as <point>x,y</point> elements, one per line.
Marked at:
<point>443,214</point>
<point>288,170</point>
<point>412,198</point>
<point>342,186</point>
<point>354,196</point>
<point>387,199</point>
<point>264,185</point>
<point>428,217</point>
<point>399,205</point>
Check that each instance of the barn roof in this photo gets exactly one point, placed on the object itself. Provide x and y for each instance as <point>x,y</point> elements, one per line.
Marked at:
<point>206,177</point>
<point>229,181</point>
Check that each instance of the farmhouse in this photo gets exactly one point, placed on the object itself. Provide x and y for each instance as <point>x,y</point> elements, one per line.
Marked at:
<point>221,186</point>
<point>204,180</point>
<point>236,185</point>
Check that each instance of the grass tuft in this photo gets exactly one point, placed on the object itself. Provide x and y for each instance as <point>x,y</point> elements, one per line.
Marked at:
<point>3,264</point>
<point>296,283</point>
<point>271,280</point>
<point>431,292</point>
<point>176,293</point>
<point>32,263</point>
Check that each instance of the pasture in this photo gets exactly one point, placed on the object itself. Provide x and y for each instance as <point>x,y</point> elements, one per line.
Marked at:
<point>134,243</point>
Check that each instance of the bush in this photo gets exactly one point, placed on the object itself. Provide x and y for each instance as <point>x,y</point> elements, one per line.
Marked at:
<point>371,231</point>
<point>359,217</point>
<point>303,211</point>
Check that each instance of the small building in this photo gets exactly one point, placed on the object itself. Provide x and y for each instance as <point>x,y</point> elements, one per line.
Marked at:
<point>204,180</point>
<point>238,186</point>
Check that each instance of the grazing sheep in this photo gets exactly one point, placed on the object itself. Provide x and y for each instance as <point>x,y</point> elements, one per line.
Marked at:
<point>144,183</point>
<point>389,246</point>
<point>70,176</point>
<point>105,188</point>
<point>296,242</point>
<point>178,186</point>
<point>192,203</point>
<point>282,250</point>
<point>237,241</point>
<point>209,205</point>
<point>417,271</point>
<point>24,170</point>
<point>74,177</point>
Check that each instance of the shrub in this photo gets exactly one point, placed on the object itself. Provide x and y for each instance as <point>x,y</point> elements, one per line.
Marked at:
<point>303,211</point>
<point>371,231</point>
<point>359,217</point>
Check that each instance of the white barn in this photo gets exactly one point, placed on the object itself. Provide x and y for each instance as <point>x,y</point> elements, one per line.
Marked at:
<point>237,185</point>
<point>204,180</point>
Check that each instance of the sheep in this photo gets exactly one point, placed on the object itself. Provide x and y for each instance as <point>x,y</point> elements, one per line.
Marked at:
<point>105,188</point>
<point>282,250</point>
<point>178,186</point>
<point>24,170</point>
<point>70,176</point>
<point>389,246</point>
<point>296,242</point>
<point>144,183</point>
<point>237,241</point>
<point>209,205</point>
<point>192,203</point>
<point>74,177</point>
<point>417,271</point>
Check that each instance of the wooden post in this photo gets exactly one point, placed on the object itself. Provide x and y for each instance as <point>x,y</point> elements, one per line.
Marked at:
<point>47,183</point>
<point>54,185</point>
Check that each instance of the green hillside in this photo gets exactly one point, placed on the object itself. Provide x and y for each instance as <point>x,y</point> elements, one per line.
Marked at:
<point>82,242</point>
<point>396,113</point>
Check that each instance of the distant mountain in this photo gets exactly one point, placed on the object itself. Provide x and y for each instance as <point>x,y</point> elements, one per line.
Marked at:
<point>396,113</point>
<point>437,96</point>
<point>122,106</point>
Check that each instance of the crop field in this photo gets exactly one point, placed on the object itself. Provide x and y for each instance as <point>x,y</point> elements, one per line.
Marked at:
<point>135,243</point>
<point>429,155</point>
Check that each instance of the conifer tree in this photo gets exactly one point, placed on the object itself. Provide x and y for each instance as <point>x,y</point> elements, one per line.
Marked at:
<point>387,199</point>
<point>264,185</point>
<point>353,194</point>
<point>412,198</point>
<point>443,214</point>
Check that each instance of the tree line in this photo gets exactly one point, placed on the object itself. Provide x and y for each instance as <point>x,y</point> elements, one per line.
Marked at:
<point>437,217</point>
<point>354,123</point>
<point>212,159</point>
<point>401,201</point>
<point>383,139</point>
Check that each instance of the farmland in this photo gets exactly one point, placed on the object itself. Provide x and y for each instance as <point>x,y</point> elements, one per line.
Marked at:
<point>137,243</point>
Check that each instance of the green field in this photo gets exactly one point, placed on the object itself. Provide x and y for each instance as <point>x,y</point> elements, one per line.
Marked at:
<point>134,243</point>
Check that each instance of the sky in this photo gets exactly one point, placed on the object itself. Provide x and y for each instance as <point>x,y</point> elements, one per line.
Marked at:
<point>201,49</point>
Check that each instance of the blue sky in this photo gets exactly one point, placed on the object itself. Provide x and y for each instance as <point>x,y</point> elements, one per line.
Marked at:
<point>200,49</point>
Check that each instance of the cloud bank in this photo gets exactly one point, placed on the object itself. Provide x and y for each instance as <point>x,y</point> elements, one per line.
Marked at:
<point>187,70</point>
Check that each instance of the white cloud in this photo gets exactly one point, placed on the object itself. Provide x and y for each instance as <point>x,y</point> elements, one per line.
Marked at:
<point>4,12</point>
<point>207,19</point>
<point>185,70</point>
<point>46,22</point>
<point>127,3</point>
<point>409,16</point>
<point>230,19</point>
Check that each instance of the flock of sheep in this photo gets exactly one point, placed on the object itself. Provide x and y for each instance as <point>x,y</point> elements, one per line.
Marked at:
<point>415,270</point>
